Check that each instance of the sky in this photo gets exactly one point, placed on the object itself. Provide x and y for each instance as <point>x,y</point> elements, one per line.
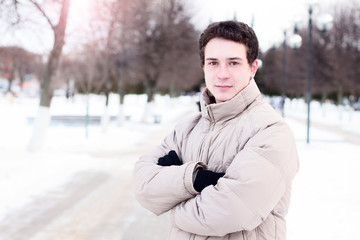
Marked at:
<point>269,19</point>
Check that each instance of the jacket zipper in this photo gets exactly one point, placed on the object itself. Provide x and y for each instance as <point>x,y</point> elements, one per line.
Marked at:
<point>211,128</point>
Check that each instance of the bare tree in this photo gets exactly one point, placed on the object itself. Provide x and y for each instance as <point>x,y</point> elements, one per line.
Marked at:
<point>124,37</point>
<point>55,14</point>
<point>104,56</point>
<point>85,66</point>
<point>59,41</point>
<point>165,36</point>
<point>8,62</point>
<point>58,29</point>
<point>335,60</point>
<point>17,62</point>
<point>181,68</point>
<point>272,71</point>
<point>346,42</point>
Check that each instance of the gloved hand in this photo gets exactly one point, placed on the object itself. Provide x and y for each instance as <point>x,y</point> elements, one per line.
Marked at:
<point>170,159</point>
<point>205,178</point>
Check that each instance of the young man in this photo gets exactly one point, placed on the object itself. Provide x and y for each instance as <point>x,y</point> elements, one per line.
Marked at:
<point>227,172</point>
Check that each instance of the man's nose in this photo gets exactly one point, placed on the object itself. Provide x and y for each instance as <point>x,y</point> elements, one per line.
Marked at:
<point>223,72</point>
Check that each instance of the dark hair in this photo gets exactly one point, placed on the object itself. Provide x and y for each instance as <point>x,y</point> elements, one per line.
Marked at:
<point>234,31</point>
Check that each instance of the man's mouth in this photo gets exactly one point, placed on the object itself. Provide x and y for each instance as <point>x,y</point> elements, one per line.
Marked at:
<point>223,86</point>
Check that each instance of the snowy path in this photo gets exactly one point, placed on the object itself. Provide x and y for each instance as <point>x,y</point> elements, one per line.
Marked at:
<point>326,197</point>
<point>77,187</point>
<point>93,204</point>
<point>347,136</point>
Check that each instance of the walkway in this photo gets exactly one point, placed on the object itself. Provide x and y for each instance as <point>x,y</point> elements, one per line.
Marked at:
<point>349,137</point>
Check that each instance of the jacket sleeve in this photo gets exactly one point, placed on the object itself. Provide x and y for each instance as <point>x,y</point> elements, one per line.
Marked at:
<point>253,184</point>
<point>159,188</point>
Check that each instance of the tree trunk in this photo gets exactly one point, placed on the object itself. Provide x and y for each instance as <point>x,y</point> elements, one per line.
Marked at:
<point>149,111</point>
<point>150,93</point>
<point>323,96</point>
<point>43,117</point>
<point>339,94</point>
<point>42,120</point>
<point>172,89</point>
<point>323,102</point>
<point>121,91</point>
<point>11,79</point>
<point>340,101</point>
<point>105,120</point>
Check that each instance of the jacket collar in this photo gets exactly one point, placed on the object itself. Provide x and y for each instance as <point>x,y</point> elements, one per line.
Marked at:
<point>216,112</point>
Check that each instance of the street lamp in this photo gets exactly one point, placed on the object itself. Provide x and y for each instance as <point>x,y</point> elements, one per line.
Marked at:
<point>283,77</point>
<point>325,23</point>
<point>309,72</point>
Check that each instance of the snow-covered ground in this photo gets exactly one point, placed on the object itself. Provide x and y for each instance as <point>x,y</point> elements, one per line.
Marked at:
<point>326,196</point>
<point>343,117</point>
<point>26,174</point>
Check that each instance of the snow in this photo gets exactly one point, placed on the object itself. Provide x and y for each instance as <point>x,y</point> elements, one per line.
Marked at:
<point>67,150</point>
<point>326,197</point>
<point>329,114</point>
<point>325,200</point>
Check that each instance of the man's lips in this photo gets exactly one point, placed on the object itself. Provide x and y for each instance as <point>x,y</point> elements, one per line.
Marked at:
<point>223,86</point>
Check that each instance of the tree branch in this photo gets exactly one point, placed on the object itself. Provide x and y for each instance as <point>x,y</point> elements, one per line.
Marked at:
<point>43,13</point>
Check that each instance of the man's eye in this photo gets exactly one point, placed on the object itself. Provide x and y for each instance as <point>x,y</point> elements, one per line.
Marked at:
<point>232,63</point>
<point>212,63</point>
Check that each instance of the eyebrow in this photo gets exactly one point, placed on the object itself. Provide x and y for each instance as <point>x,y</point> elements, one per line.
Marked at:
<point>235,58</point>
<point>231,58</point>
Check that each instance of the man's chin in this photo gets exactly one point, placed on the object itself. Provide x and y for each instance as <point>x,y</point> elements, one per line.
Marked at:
<point>222,99</point>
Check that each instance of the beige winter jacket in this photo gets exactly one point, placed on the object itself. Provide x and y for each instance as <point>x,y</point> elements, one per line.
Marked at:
<point>243,137</point>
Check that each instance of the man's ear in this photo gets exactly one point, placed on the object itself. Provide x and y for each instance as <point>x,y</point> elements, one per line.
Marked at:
<point>254,67</point>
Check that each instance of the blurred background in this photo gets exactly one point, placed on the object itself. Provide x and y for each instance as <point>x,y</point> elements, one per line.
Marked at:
<point>87,86</point>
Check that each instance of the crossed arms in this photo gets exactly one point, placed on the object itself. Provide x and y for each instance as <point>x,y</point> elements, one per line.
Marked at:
<point>240,200</point>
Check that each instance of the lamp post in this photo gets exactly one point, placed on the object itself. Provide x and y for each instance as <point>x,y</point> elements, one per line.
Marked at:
<point>283,79</point>
<point>324,23</point>
<point>309,73</point>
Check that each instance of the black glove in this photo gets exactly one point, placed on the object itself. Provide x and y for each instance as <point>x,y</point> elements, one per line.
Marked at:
<point>205,178</point>
<point>170,159</point>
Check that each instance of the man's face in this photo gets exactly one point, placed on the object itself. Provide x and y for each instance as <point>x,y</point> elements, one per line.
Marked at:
<point>226,68</point>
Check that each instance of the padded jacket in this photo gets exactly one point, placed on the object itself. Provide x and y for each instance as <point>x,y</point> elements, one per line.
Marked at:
<point>243,137</point>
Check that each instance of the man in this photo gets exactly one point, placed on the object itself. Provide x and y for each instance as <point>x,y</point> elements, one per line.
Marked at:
<point>225,173</point>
